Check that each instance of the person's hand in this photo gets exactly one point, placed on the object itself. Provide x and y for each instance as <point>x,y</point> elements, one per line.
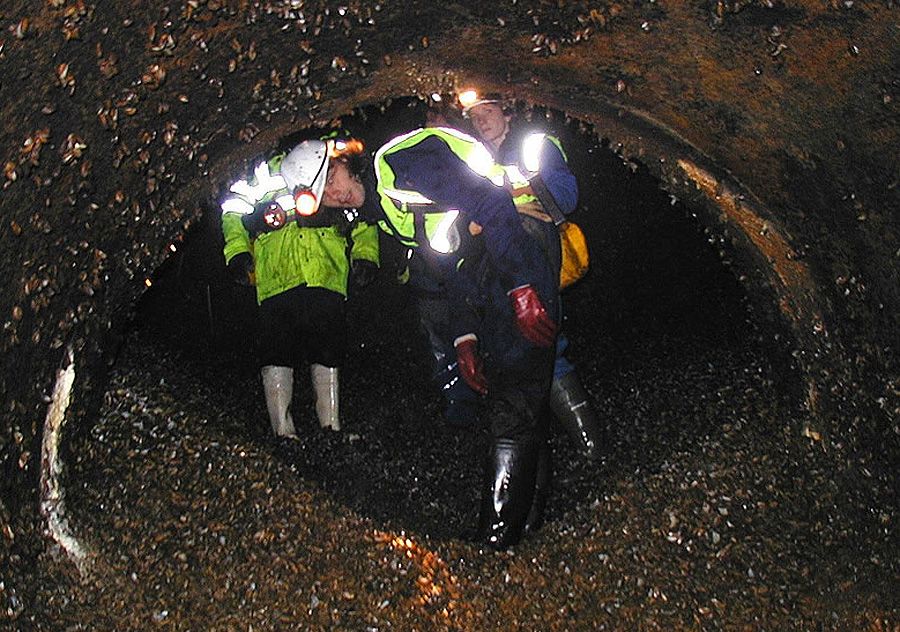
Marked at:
<point>240,268</point>
<point>362,273</point>
<point>471,367</point>
<point>532,319</point>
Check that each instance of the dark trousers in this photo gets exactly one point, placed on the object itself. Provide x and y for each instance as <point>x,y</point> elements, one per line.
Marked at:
<point>434,319</point>
<point>519,373</point>
<point>303,323</point>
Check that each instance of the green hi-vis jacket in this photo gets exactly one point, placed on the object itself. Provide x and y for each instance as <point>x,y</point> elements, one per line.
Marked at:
<point>294,255</point>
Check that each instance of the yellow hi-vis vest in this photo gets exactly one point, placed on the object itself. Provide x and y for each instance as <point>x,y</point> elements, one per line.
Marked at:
<point>412,218</point>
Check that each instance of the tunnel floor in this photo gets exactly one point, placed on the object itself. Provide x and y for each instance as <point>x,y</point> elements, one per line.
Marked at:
<point>710,511</point>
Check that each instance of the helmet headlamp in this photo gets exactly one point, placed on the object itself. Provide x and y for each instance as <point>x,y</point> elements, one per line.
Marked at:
<point>468,99</point>
<point>305,201</point>
<point>345,147</point>
<point>305,170</point>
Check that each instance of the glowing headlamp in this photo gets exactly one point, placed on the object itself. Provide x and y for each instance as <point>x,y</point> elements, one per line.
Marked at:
<point>345,147</point>
<point>305,202</point>
<point>467,98</point>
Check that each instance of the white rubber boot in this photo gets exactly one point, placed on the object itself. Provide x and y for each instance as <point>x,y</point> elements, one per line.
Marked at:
<point>325,385</point>
<point>278,385</point>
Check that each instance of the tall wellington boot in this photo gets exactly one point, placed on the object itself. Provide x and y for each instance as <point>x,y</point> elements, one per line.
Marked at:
<point>542,478</point>
<point>325,386</point>
<point>572,408</point>
<point>507,493</point>
<point>278,386</point>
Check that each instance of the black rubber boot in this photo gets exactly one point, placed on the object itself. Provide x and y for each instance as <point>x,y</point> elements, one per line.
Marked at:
<point>572,408</point>
<point>508,492</point>
<point>542,478</point>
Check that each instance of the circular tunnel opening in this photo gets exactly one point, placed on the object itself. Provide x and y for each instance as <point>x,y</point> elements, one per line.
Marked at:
<point>661,332</point>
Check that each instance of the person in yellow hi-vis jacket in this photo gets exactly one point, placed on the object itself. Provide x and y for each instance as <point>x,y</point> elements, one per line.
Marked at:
<point>301,250</point>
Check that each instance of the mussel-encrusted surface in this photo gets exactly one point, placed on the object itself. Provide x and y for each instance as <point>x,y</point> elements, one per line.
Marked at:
<point>711,512</point>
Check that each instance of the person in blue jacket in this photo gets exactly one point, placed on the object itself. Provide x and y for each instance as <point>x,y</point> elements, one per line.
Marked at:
<point>440,192</point>
<point>526,152</point>
<point>426,283</point>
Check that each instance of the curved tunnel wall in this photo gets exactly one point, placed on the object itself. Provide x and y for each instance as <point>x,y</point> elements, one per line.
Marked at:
<point>775,120</point>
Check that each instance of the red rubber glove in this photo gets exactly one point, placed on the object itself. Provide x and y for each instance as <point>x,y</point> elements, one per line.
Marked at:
<point>531,317</point>
<point>471,368</point>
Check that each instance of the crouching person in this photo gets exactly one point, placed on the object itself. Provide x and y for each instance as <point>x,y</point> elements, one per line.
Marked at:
<point>437,197</point>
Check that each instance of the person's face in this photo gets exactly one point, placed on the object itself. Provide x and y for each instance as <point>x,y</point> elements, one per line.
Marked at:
<point>342,189</point>
<point>490,123</point>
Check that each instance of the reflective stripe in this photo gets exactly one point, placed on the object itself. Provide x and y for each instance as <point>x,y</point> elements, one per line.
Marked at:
<point>248,194</point>
<point>529,159</point>
<point>286,202</point>
<point>531,151</point>
<point>473,153</point>
<point>265,183</point>
<point>518,180</point>
<point>406,197</point>
<point>385,177</point>
<point>443,238</point>
<point>516,177</point>
<point>237,205</point>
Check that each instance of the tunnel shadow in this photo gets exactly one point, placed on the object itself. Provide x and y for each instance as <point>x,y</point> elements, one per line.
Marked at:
<point>659,329</point>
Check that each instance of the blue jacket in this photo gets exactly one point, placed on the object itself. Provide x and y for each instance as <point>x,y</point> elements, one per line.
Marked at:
<point>502,257</point>
<point>434,170</point>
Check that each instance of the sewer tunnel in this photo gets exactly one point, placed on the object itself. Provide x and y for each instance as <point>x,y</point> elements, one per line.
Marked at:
<point>757,256</point>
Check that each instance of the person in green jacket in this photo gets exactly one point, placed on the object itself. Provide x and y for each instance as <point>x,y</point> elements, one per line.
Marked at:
<point>301,255</point>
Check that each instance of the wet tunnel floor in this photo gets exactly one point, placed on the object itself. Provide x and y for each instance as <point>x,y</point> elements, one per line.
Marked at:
<point>709,512</point>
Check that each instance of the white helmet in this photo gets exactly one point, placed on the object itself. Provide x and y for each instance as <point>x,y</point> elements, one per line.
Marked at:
<point>305,170</point>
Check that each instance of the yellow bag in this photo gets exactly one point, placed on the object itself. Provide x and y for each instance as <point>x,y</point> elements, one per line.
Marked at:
<point>575,256</point>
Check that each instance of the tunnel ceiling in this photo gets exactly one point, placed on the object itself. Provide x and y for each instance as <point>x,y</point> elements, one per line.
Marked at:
<point>121,119</point>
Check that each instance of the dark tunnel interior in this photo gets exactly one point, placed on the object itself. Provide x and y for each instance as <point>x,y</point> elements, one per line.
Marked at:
<point>661,331</point>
